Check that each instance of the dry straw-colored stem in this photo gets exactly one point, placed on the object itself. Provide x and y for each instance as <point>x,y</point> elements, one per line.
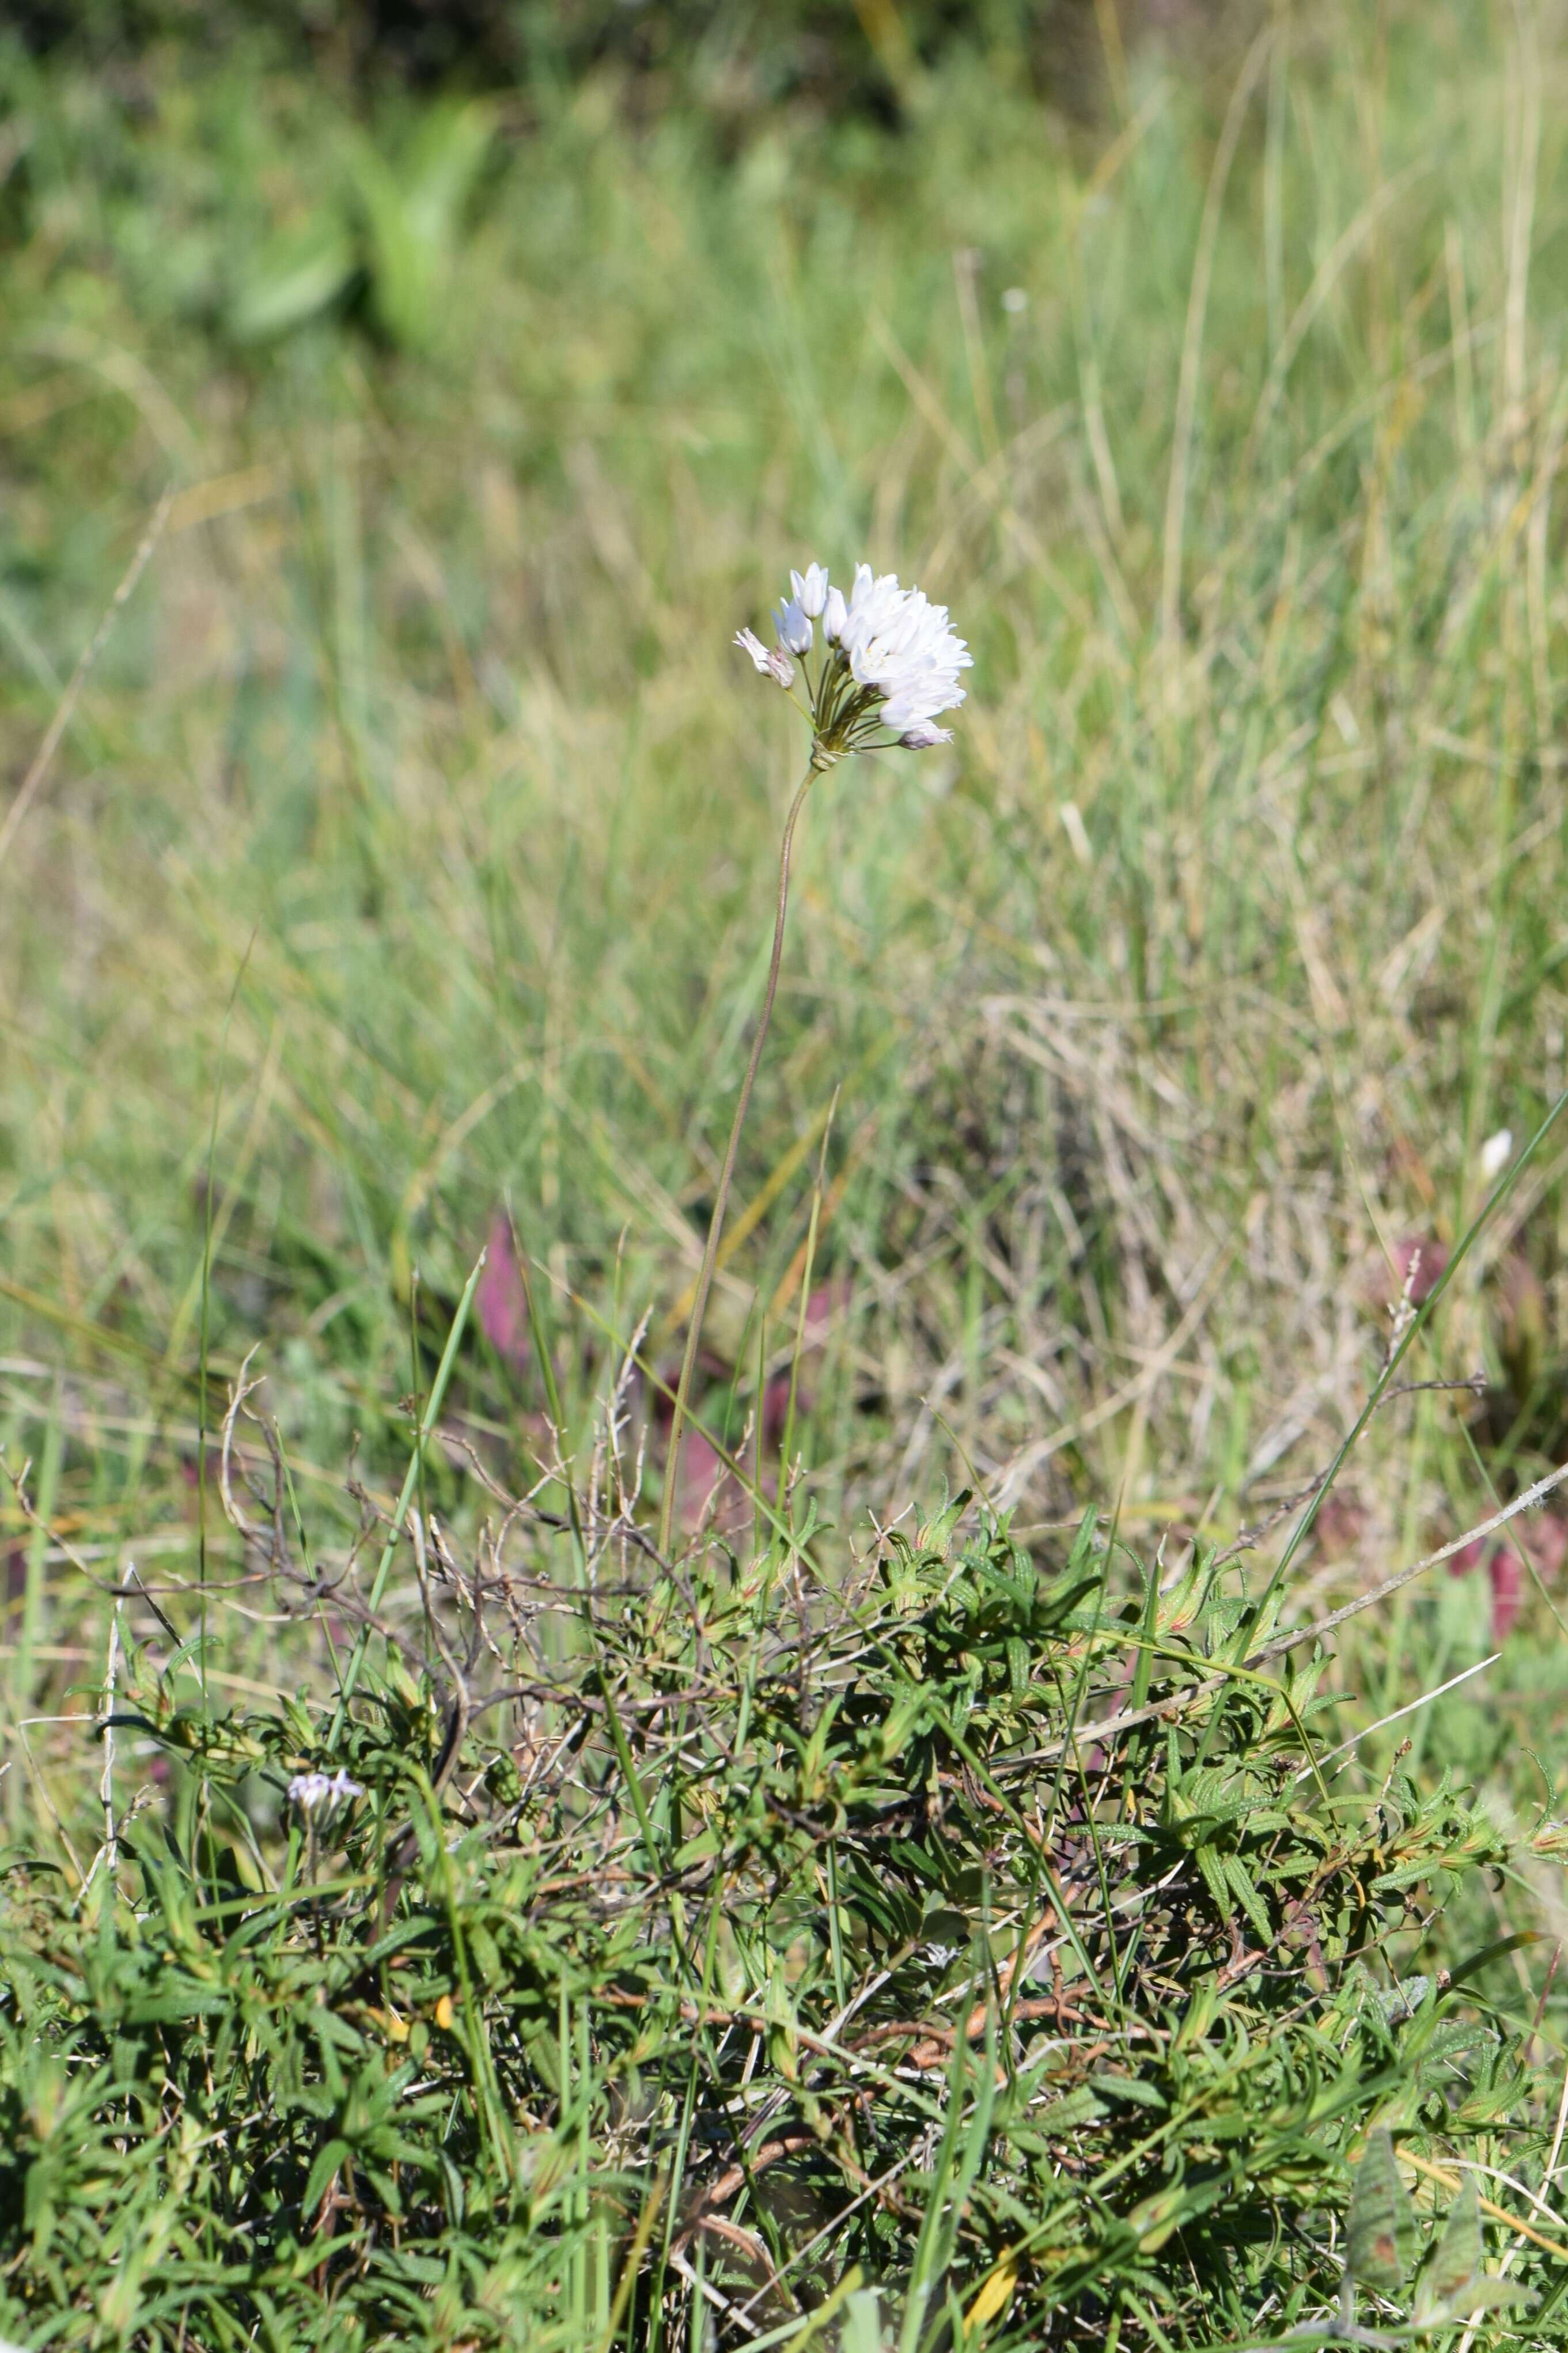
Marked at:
<point>720,1200</point>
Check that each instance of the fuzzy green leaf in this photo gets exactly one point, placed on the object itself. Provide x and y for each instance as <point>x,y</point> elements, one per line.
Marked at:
<point>1381,2226</point>
<point>1458,2256</point>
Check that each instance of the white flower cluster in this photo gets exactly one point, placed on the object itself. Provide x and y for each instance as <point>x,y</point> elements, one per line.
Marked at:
<point>321,1793</point>
<point>890,660</point>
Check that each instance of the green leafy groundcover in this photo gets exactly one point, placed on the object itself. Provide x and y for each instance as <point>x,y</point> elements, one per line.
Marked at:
<point>721,1941</point>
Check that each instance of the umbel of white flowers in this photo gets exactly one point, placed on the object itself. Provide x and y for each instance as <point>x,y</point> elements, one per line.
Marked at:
<point>889,665</point>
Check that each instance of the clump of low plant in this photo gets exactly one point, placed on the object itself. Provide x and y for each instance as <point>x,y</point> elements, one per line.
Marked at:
<point>980,1945</point>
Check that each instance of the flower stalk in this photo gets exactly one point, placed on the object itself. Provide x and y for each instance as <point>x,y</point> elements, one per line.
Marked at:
<point>722,1198</point>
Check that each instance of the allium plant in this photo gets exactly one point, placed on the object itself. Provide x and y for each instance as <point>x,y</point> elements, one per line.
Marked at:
<point>887,667</point>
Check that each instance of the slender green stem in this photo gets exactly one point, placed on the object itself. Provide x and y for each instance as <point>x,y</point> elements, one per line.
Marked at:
<point>720,1202</point>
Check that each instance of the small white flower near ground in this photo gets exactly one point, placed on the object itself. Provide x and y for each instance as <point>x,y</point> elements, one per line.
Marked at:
<point>321,1793</point>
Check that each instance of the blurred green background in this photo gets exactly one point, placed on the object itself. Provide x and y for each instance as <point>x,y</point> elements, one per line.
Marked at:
<point>405,858</point>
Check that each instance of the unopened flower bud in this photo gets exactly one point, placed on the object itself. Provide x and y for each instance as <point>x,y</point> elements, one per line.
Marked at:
<point>794,628</point>
<point>834,612</point>
<point>810,589</point>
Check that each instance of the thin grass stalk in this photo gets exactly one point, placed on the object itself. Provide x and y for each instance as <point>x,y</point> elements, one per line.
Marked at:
<point>36,1572</point>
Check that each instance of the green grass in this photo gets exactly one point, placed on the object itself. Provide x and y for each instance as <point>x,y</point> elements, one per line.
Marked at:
<point>405,864</point>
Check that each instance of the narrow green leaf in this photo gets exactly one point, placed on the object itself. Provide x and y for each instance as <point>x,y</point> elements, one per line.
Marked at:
<point>328,2158</point>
